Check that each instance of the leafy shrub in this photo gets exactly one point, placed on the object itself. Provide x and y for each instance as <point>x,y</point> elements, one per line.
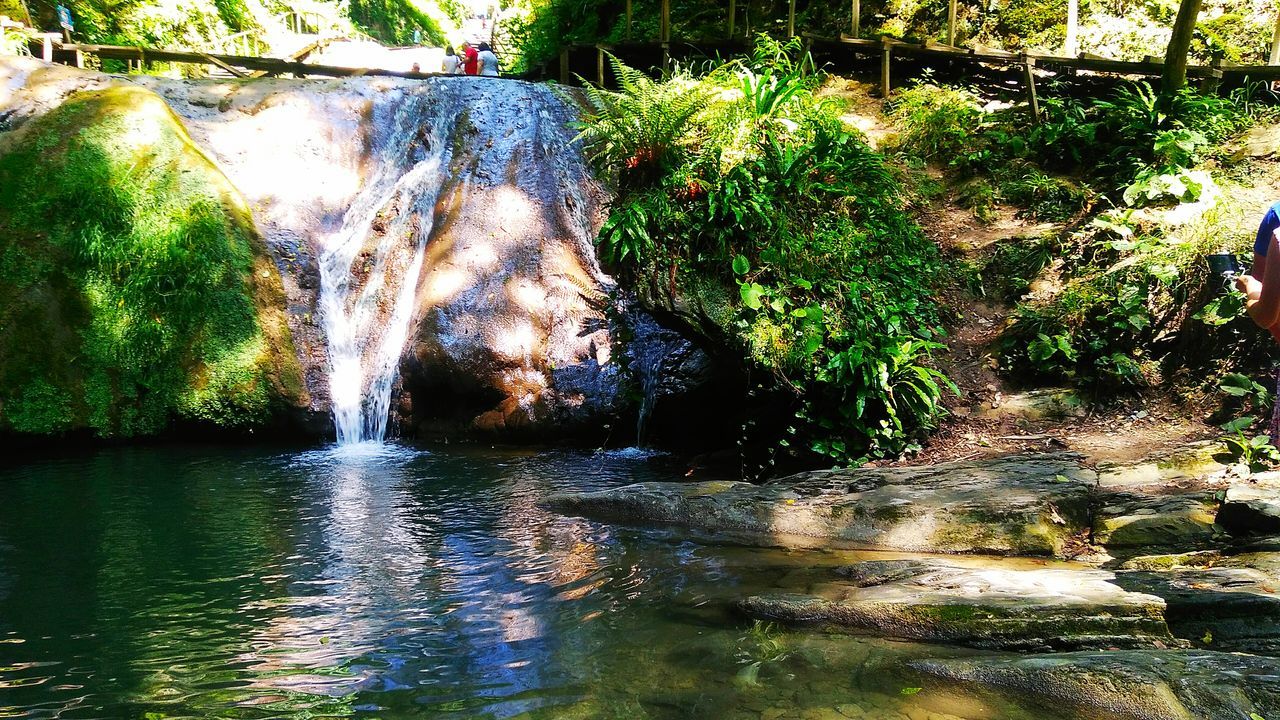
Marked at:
<point>938,121</point>
<point>1045,197</point>
<point>764,195</point>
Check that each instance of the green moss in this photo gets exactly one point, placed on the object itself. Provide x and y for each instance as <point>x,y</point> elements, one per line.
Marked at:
<point>133,287</point>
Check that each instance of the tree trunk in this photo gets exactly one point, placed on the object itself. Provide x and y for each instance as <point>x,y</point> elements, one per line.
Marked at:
<point>1175,59</point>
<point>1275,43</point>
<point>1071,46</point>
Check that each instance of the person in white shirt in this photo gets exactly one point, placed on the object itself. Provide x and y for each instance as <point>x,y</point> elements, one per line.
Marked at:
<point>450,61</point>
<point>488,61</point>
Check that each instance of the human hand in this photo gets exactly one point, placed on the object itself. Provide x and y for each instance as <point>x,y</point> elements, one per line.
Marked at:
<point>1250,286</point>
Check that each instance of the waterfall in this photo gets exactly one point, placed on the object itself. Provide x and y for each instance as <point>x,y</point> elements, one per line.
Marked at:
<point>369,267</point>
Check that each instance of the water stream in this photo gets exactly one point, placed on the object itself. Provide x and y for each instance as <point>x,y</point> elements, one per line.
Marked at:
<point>369,268</point>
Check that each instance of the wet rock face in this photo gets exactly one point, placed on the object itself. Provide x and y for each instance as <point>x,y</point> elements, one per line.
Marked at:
<point>988,607</point>
<point>1021,505</point>
<point>512,336</point>
<point>1136,684</point>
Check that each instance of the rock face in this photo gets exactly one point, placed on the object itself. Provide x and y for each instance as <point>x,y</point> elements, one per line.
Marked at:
<point>510,333</point>
<point>1134,684</point>
<point>935,601</point>
<point>1022,505</point>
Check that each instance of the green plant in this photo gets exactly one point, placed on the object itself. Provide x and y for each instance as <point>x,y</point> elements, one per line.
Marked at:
<point>1045,197</point>
<point>14,42</point>
<point>787,235</point>
<point>639,132</point>
<point>1255,451</point>
<point>938,121</point>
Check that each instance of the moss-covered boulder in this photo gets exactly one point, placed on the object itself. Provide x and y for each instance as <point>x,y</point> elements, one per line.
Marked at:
<point>134,290</point>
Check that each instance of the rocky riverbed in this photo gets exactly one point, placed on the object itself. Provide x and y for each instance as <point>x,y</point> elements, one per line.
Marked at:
<point>1154,595</point>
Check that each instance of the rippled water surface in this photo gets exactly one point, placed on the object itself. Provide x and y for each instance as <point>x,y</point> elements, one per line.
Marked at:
<point>390,582</point>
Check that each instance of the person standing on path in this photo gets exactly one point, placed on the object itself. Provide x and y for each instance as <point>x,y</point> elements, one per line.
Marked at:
<point>488,61</point>
<point>450,66</point>
<point>1262,291</point>
<point>470,59</point>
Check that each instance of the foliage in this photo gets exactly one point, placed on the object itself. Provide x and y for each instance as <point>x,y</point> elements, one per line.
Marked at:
<point>203,24</point>
<point>132,285</point>
<point>938,121</point>
<point>642,131</point>
<point>1255,451</point>
<point>761,192</point>
<point>14,42</point>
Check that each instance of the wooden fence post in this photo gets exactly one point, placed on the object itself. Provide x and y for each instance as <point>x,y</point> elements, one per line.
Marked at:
<point>564,65</point>
<point>791,19</point>
<point>664,28</point>
<point>951,23</point>
<point>856,22</point>
<point>1028,71</point>
<point>1210,83</point>
<point>46,48</point>
<point>885,79</point>
<point>628,35</point>
<point>733,15</point>
<point>600,66</point>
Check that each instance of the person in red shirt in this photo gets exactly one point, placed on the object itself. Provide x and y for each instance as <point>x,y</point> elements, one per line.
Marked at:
<point>471,59</point>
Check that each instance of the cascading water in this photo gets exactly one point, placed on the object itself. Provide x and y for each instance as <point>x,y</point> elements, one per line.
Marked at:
<point>369,268</point>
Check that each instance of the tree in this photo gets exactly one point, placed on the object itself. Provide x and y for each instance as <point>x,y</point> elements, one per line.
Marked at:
<point>1175,58</point>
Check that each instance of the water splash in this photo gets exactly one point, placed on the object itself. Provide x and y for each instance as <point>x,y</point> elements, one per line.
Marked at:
<point>369,268</point>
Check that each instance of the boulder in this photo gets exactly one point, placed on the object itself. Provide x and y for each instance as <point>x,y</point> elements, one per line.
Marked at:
<point>988,607</point>
<point>1018,505</point>
<point>1136,684</point>
<point>1251,508</point>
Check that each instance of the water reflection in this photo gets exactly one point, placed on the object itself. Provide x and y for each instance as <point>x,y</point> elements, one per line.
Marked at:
<point>392,582</point>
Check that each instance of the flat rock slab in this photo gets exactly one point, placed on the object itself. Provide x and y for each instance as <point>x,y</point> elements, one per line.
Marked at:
<point>1019,505</point>
<point>1226,608</point>
<point>1252,507</point>
<point>1137,684</point>
<point>936,601</point>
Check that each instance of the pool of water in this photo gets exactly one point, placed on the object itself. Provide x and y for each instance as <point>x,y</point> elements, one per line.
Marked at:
<point>390,582</point>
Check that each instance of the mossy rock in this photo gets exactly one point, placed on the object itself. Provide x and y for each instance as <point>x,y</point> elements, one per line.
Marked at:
<point>134,289</point>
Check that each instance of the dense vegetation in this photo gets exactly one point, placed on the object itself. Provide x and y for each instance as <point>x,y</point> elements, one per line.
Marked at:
<point>1127,301</point>
<point>1233,30</point>
<point>203,24</point>
<point>133,288</point>
<point>746,208</point>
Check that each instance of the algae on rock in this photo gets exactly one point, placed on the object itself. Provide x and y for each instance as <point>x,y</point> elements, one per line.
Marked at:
<point>134,289</point>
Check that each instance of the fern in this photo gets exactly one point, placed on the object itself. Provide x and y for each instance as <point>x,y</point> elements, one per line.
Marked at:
<point>643,127</point>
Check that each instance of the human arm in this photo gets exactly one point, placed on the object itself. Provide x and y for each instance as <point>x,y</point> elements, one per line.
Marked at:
<point>1263,302</point>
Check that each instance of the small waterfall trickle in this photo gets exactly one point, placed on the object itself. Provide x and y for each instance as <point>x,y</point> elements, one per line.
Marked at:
<point>369,268</point>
